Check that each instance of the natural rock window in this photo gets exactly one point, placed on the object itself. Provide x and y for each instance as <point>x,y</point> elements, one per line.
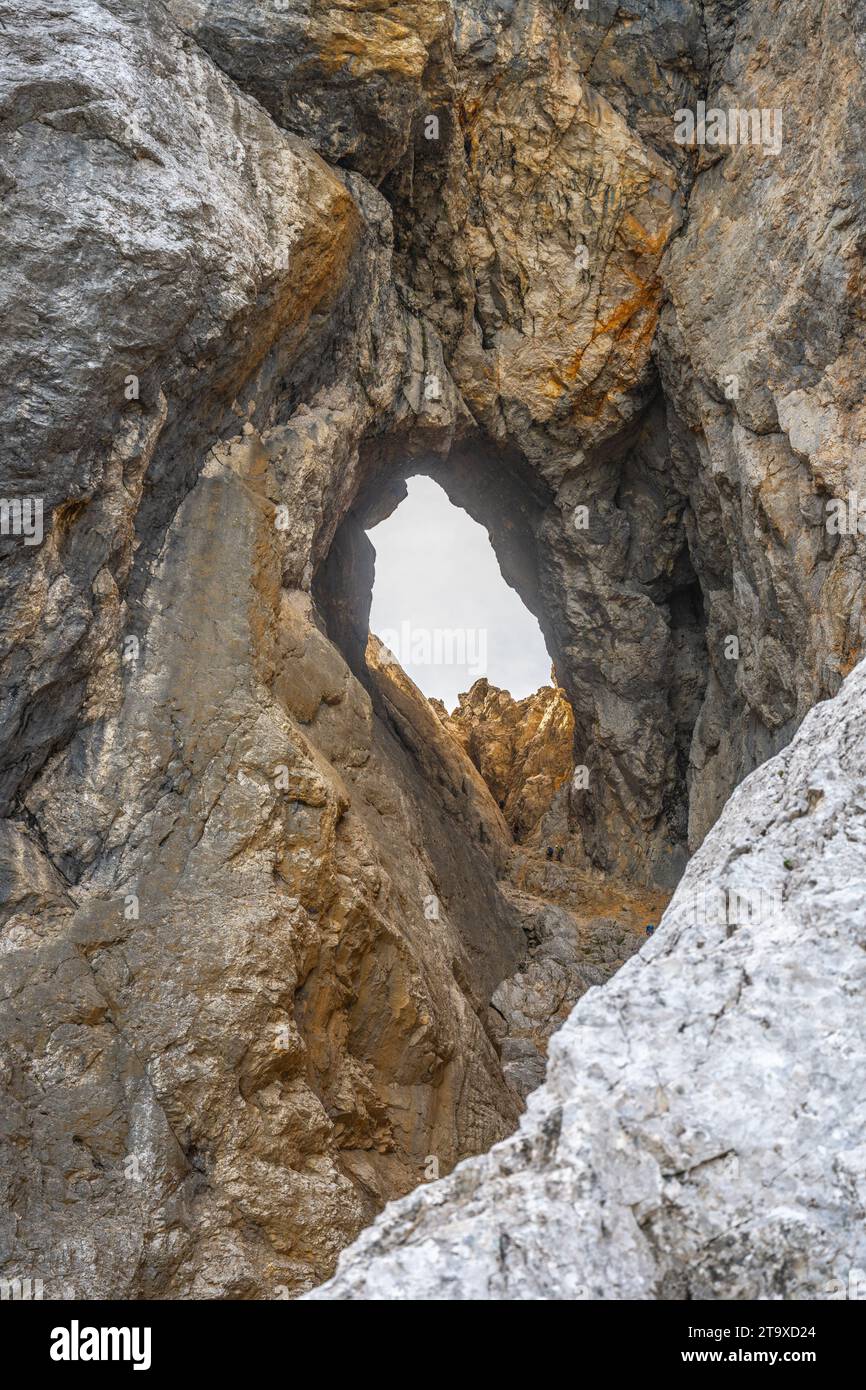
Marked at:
<point>441,606</point>
<point>512,759</point>
<point>281,938</point>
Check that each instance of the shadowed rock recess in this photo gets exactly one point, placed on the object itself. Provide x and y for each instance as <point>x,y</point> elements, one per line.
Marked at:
<point>280,939</point>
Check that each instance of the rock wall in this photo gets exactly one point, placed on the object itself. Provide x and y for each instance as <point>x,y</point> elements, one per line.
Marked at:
<point>700,1131</point>
<point>231,1026</point>
<point>761,349</point>
<point>259,267</point>
<point>239,1029</point>
<point>534,183</point>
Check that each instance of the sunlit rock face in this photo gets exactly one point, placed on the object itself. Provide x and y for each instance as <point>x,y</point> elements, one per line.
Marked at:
<point>535,184</point>
<point>270,956</point>
<point>522,748</point>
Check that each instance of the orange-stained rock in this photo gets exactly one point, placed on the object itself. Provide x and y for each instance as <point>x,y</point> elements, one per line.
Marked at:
<point>522,748</point>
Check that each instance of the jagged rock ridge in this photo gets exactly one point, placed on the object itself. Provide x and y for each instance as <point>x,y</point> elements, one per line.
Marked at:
<point>522,748</point>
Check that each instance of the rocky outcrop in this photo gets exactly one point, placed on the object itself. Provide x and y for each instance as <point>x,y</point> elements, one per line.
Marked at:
<point>579,932</point>
<point>700,1132</point>
<point>249,1039</point>
<point>255,900</point>
<point>522,748</point>
<point>349,79</point>
<point>761,355</point>
<point>529,159</point>
<point>196,242</point>
<point>535,183</point>
<point>222,1047</point>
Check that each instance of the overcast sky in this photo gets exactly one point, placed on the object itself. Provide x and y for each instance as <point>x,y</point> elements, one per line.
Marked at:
<point>436,574</point>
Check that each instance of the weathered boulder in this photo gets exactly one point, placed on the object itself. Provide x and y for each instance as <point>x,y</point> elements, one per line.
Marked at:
<point>162,242</point>
<point>349,78</point>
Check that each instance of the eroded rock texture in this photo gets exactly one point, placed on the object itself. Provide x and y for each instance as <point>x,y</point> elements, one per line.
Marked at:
<point>700,1131</point>
<point>522,748</point>
<point>764,299</point>
<point>270,956</point>
<point>207,939</point>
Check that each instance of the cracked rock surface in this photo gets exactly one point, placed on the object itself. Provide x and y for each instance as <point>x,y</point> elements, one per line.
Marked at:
<point>269,954</point>
<point>522,748</point>
<point>700,1131</point>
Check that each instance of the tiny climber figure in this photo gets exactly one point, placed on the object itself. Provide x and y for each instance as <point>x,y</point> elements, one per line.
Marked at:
<point>550,851</point>
<point>560,851</point>
<point>650,928</point>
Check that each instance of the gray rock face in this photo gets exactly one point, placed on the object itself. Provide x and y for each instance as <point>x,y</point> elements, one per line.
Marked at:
<point>533,201</point>
<point>570,950</point>
<point>229,1030</point>
<point>259,265</point>
<point>761,355</point>
<point>161,239</point>
<point>700,1131</point>
<point>349,79</point>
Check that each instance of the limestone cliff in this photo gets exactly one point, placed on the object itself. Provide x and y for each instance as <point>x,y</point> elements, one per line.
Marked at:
<point>270,954</point>
<point>522,748</point>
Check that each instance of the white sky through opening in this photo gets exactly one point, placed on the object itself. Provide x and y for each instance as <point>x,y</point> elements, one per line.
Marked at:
<point>441,605</point>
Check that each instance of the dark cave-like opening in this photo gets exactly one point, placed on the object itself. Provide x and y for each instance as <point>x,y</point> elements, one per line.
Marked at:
<point>500,510</point>
<point>618,603</point>
<point>486,482</point>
